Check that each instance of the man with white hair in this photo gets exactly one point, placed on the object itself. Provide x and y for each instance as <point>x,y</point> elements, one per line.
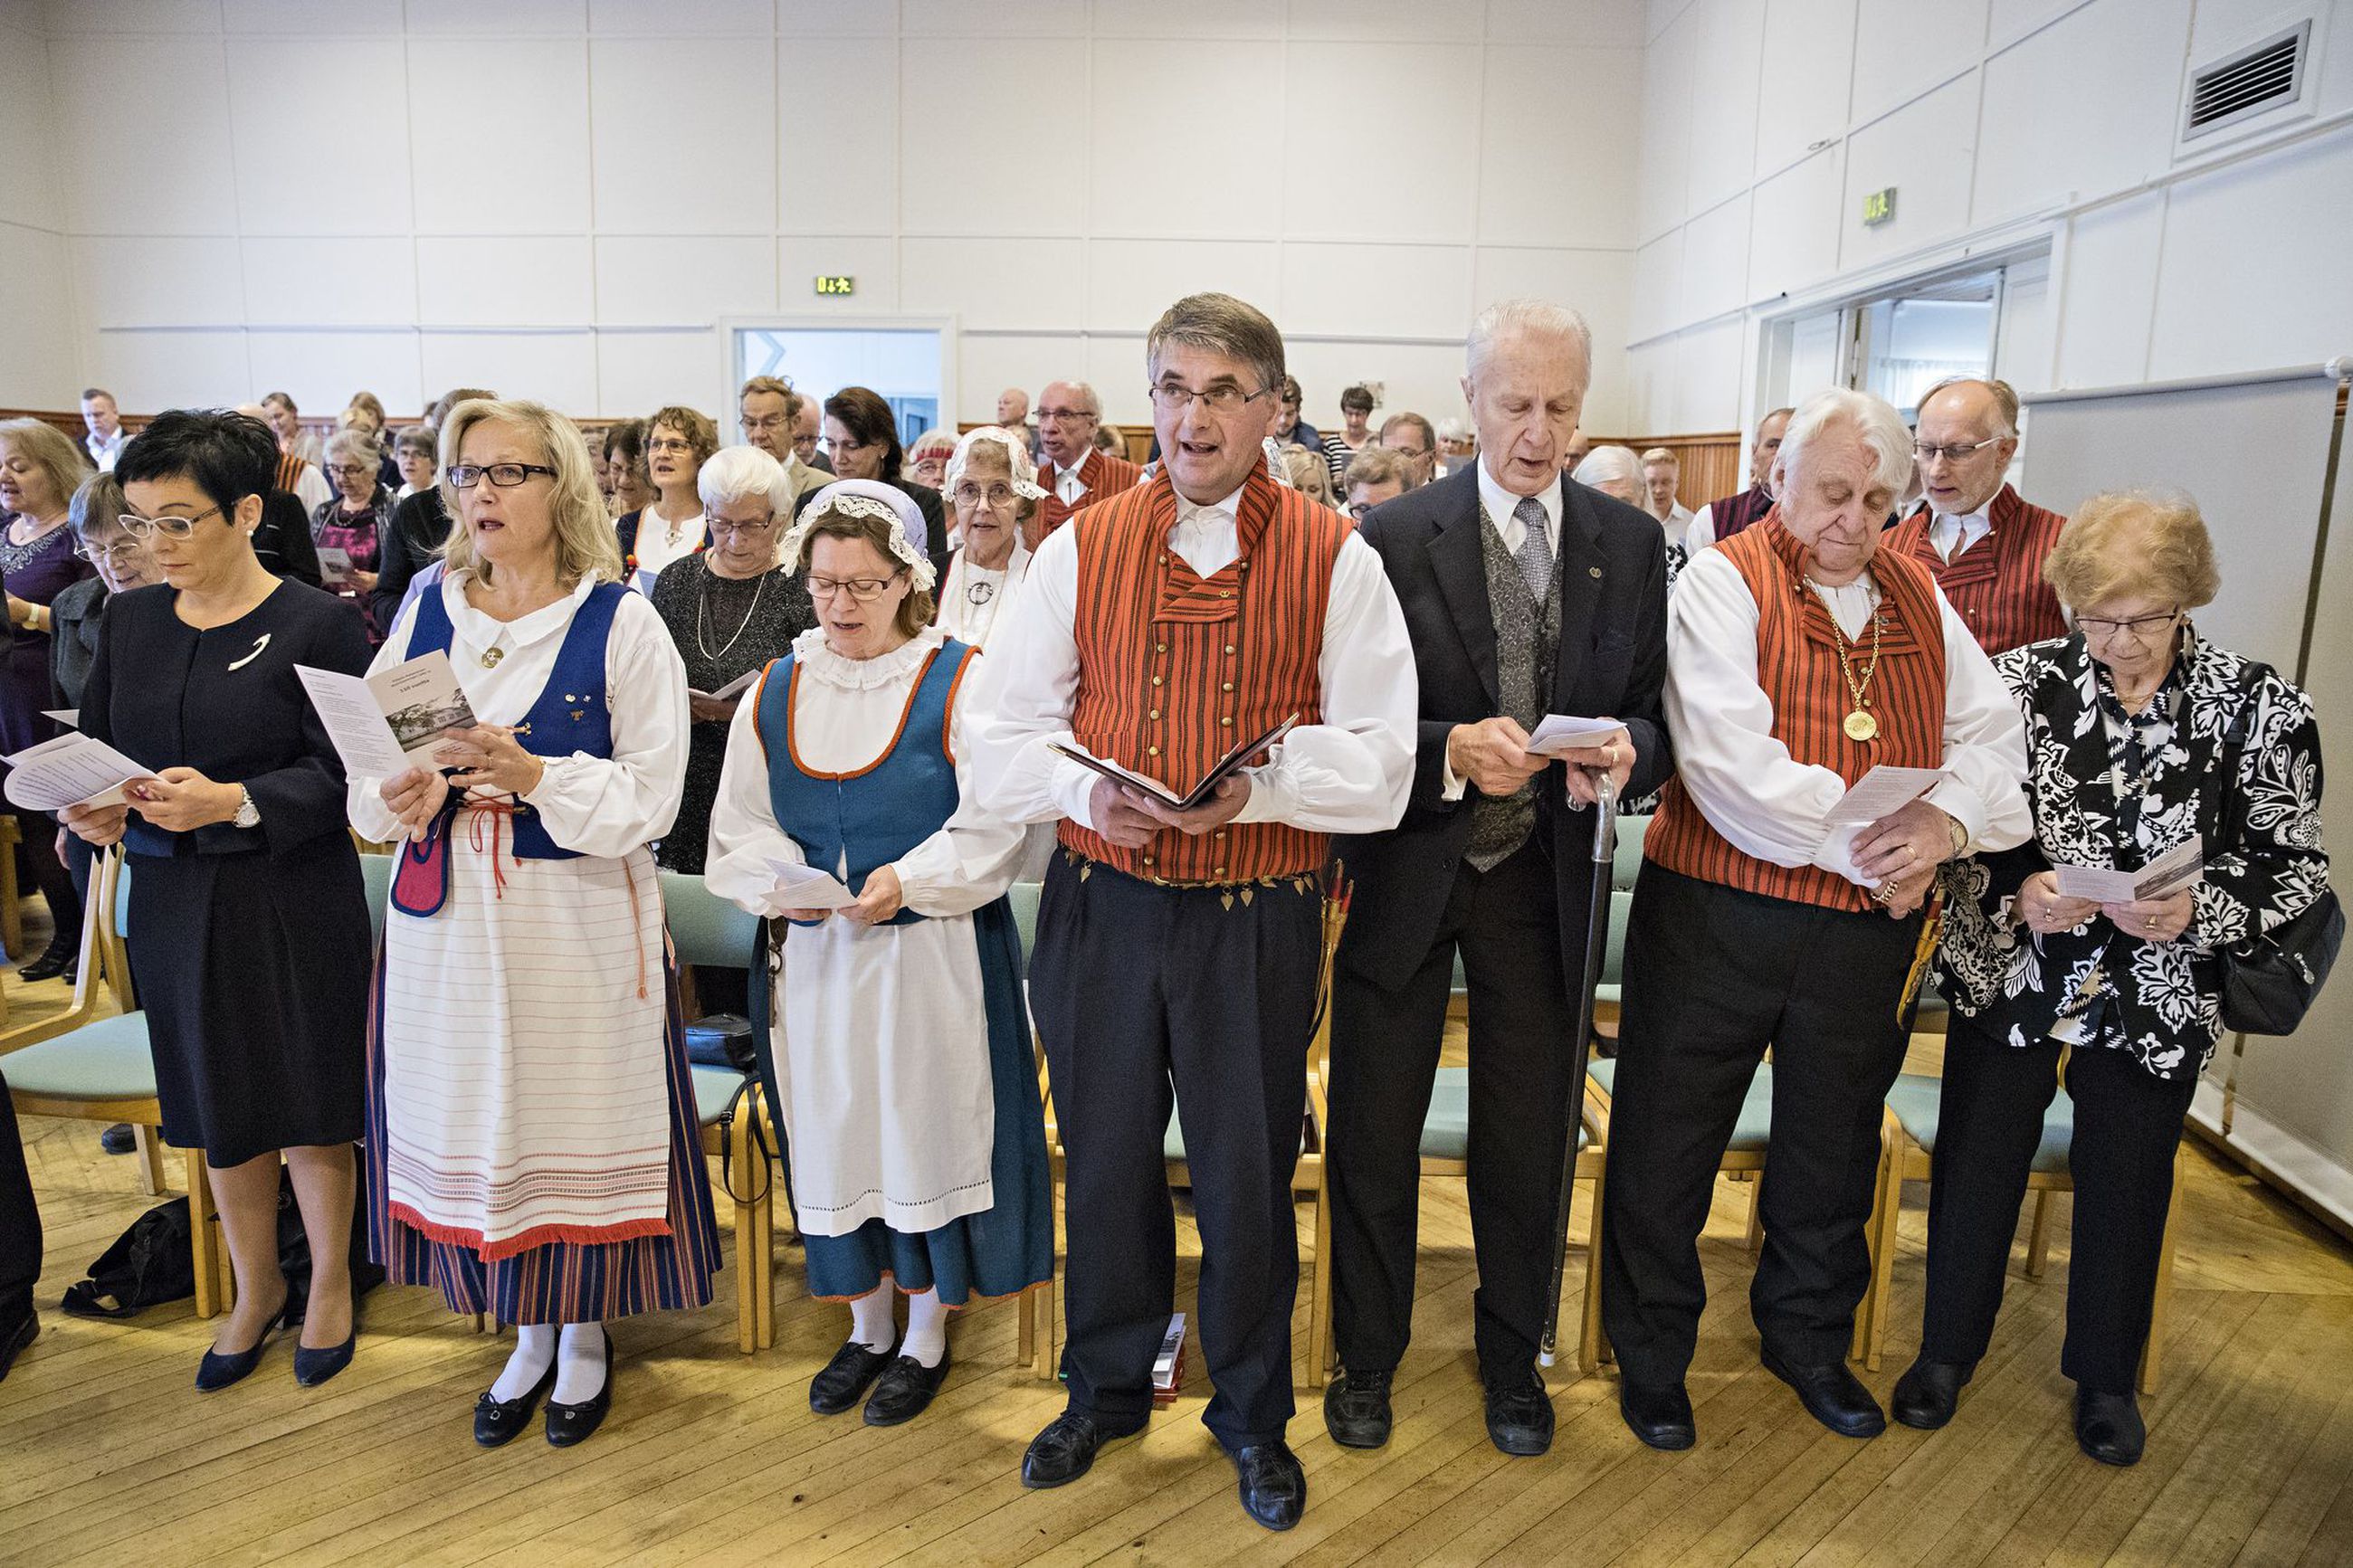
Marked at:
<point>1525,594</point>
<point>1720,519</point>
<point>1982,542</point>
<point>1662,473</point>
<point>1800,656</point>
<point>1074,473</point>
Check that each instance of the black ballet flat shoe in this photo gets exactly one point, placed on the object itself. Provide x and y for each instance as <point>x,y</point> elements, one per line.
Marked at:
<point>1066,1449</point>
<point>312,1368</point>
<point>847,1376</point>
<point>14,1337</point>
<point>571,1424</point>
<point>498,1422</point>
<point>1273,1486</point>
<point>1357,1409</point>
<point>118,1139</point>
<point>2108,1427</point>
<point>1930,1392</point>
<point>58,960</point>
<point>1659,1414</point>
<point>1831,1396</point>
<point>217,1371</point>
<point>906,1387</point>
<point>1519,1418</point>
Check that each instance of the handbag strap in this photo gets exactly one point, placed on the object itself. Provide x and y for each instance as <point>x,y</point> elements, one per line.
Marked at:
<point>759,1137</point>
<point>2230,805</point>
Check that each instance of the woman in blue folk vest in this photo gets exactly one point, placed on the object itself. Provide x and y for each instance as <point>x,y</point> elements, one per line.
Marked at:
<point>894,1042</point>
<point>532,1141</point>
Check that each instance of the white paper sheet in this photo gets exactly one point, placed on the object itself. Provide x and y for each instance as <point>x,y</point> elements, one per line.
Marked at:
<point>1563,732</point>
<point>1882,790</point>
<point>740,684</point>
<point>72,770</point>
<point>334,565</point>
<point>69,717</point>
<point>2182,865</point>
<point>807,888</point>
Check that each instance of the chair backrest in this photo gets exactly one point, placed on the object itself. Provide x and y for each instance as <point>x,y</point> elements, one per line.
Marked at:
<point>376,873</point>
<point>705,928</point>
<point>122,897</point>
<point>1025,896</point>
<point>1628,861</point>
<point>1614,956</point>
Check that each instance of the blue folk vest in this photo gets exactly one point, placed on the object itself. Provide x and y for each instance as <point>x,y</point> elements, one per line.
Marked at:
<point>874,816</point>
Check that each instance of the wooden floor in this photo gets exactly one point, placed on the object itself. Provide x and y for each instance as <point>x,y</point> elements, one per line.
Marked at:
<point>108,1456</point>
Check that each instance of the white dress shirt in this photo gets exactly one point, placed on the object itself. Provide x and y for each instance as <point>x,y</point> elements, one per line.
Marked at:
<point>1502,508</point>
<point>103,452</point>
<point>1700,533</point>
<point>1765,802</point>
<point>657,548</point>
<point>1352,772</point>
<point>1069,487</point>
<point>1953,532</point>
<point>973,599</point>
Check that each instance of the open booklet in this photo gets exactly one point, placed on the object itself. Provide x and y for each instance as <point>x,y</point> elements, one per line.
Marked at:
<point>72,770</point>
<point>737,687</point>
<point>390,721</point>
<point>1224,768</point>
<point>334,565</point>
<point>2180,867</point>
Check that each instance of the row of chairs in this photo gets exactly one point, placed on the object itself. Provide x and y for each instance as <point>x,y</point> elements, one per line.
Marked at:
<point>83,1066</point>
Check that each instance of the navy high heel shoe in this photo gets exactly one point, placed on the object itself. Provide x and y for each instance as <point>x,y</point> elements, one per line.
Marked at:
<point>312,1368</point>
<point>217,1371</point>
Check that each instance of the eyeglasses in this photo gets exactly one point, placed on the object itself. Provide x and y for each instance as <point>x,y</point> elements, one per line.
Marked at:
<point>717,526</point>
<point>865,590</point>
<point>1176,397</point>
<point>139,527</point>
<point>669,444</point>
<point>2140,629</point>
<point>1360,509</point>
<point>968,493</point>
<point>1952,451</point>
<point>350,471</point>
<point>505,476</point>
<point>773,422</point>
<point>99,554</point>
<point>1060,416</point>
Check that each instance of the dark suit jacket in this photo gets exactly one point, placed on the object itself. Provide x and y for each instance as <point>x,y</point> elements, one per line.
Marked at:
<point>421,526</point>
<point>1612,662</point>
<point>283,542</point>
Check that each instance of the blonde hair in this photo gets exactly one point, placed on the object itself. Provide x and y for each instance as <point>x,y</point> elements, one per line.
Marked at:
<point>49,449</point>
<point>2126,543</point>
<point>585,544</point>
<point>1309,472</point>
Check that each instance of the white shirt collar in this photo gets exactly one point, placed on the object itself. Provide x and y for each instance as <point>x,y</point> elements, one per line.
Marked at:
<point>1224,510</point>
<point>1503,508</point>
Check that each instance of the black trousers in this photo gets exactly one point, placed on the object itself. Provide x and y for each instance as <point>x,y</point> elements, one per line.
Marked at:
<point>20,1220</point>
<point>59,889</point>
<point>1989,1124</point>
<point>1142,992</point>
<point>1385,1046</point>
<point>1712,976</point>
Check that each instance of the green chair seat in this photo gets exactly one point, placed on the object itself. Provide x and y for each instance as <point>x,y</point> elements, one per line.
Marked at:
<point>1755,1126</point>
<point>376,872</point>
<point>1446,1131</point>
<point>1025,896</point>
<point>714,1091</point>
<point>705,928</point>
<point>106,1059</point>
<point>1627,862</point>
<point>1915,1100</point>
<point>1172,1142</point>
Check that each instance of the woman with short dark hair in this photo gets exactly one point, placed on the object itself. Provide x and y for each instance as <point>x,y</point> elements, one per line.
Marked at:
<point>1357,405</point>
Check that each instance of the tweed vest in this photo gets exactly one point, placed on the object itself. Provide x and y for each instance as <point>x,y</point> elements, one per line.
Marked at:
<point>1527,644</point>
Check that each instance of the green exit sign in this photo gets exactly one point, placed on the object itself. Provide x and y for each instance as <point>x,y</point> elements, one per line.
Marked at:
<point>1879,207</point>
<point>836,283</point>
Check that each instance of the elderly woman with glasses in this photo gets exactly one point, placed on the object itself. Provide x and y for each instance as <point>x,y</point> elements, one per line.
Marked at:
<point>2141,736</point>
<point>893,1038</point>
<point>731,608</point>
<point>353,523</point>
<point>670,526</point>
<point>993,485</point>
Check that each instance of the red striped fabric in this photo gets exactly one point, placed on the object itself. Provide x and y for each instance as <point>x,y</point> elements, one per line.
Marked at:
<point>1176,669</point>
<point>1995,585</point>
<point>1737,514</point>
<point>1798,665</point>
<point>1105,477</point>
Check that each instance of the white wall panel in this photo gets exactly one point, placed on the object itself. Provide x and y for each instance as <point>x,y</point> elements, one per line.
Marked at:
<point>38,369</point>
<point>113,181</point>
<point>1904,48</point>
<point>1021,284</point>
<point>638,372</point>
<point>2051,129</point>
<point>1924,150</point>
<point>1707,378</point>
<point>309,19</point>
<point>2109,293</point>
<point>293,100</point>
<point>1352,21</point>
<point>1658,287</point>
<point>1114,365</point>
<point>1793,227</point>
<point>1101,171</point>
<point>2007,21</point>
<point>1557,146</point>
<point>670,19</point>
<point>321,370</point>
<point>964,138</point>
<point>158,282</point>
<point>1667,111</point>
<point>504,18</point>
<point>558,369</point>
<point>991,362</point>
<point>842,19</point>
<point>1590,24</point>
<point>197,368</point>
<point>1724,101</point>
<point>661,279</point>
<point>1131,281</point>
<point>1031,19</point>
<point>1715,261</point>
<point>29,175</point>
<point>662,111</point>
<point>117,18</point>
<point>1409,290</point>
<point>305,282</point>
<point>463,184</point>
<point>836,102</point>
<point>1409,111</point>
<point>1200,19</point>
<point>508,280</point>
<point>1806,67</point>
<point>1650,386</point>
<point>871,259</point>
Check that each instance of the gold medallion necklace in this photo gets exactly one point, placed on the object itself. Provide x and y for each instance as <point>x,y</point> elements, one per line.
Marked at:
<point>1859,723</point>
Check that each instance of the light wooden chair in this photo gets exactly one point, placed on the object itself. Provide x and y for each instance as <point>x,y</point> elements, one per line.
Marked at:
<point>1909,1134</point>
<point>92,1069</point>
<point>12,911</point>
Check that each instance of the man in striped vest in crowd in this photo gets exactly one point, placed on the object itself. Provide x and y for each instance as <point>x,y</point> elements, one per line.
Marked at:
<point>1983,545</point>
<point>1720,519</point>
<point>1177,949</point>
<point>1801,656</point>
<point>1069,415</point>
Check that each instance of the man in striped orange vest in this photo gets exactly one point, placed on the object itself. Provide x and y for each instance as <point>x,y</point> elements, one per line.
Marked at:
<point>1983,545</point>
<point>1074,473</point>
<point>1178,951</point>
<point>1801,656</point>
<point>1720,519</point>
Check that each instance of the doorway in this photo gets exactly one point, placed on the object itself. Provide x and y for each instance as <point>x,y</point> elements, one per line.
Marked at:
<point>906,366</point>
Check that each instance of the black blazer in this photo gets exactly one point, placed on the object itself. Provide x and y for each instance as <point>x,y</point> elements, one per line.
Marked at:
<point>1612,662</point>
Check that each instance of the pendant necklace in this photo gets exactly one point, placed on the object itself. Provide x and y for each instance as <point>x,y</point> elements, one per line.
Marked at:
<point>702,601</point>
<point>1859,724</point>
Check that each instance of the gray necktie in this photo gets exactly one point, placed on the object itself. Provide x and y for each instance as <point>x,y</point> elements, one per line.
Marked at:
<point>1534,553</point>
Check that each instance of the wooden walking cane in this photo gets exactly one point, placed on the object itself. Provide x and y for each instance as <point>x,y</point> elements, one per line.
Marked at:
<point>1597,944</point>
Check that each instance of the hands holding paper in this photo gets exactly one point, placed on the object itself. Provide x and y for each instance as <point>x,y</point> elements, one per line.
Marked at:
<point>96,826</point>
<point>1493,756</point>
<point>884,896</point>
<point>1901,852</point>
<point>2152,919</point>
<point>415,796</point>
<point>1612,754</point>
<point>181,800</point>
<point>2045,909</point>
<point>490,757</point>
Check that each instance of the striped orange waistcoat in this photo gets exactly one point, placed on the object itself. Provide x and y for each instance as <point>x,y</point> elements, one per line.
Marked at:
<point>1798,665</point>
<point>1995,585</point>
<point>1176,669</point>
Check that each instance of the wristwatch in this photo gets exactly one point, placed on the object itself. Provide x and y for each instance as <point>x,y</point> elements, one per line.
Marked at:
<point>1960,835</point>
<point>247,814</point>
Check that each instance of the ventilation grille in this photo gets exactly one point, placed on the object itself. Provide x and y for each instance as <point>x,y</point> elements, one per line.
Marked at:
<point>2253,81</point>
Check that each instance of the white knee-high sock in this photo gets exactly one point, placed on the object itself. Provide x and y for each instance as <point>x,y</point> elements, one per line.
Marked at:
<point>927,1329</point>
<point>870,1320</point>
<point>534,1350</point>
<point>579,1363</point>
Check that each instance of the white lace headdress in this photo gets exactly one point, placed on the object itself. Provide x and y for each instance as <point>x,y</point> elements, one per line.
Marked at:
<point>867,498</point>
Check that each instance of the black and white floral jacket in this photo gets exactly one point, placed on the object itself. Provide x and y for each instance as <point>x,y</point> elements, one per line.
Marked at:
<point>2163,999</point>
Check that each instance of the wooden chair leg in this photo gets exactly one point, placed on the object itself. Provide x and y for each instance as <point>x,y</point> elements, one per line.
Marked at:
<point>1025,1328</point>
<point>1756,1212</point>
<point>1320,1355</point>
<point>151,1158</point>
<point>2038,1238</point>
<point>479,1323</point>
<point>12,909</point>
<point>1049,1323</point>
<point>203,1243</point>
<point>1590,1350</point>
<point>739,1175</point>
<point>2152,1351</point>
<point>1870,1329</point>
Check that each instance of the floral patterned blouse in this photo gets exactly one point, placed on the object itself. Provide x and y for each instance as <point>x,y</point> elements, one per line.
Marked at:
<point>2113,790</point>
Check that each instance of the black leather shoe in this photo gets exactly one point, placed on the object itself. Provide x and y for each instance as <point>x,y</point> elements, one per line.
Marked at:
<point>1660,1415</point>
<point>1273,1486</point>
<point>312,1368</point>
<point>15,1338</point>
<point>217,1371</point>
<point>58,960</point>
<point>118,1139</point>
<point>1357,1409</point>
<point>1831,1396</point>
<point>2108,1427</point>
<point>569,1424</point>
<point>1519,1418</point>
<point>1066,1448</point>
<point>903,1391</point>
<point>499,1422</point>
<point>847,1376</point>
<point>1930,1392</point>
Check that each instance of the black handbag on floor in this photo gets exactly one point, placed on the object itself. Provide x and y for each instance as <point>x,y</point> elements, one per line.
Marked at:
<point>147,1265</point>
<point>2269,980</point>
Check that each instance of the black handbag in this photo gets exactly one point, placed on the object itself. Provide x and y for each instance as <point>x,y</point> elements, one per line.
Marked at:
<point>2269,980</point>
<point>148,1264</point>
<point>721,1040</point>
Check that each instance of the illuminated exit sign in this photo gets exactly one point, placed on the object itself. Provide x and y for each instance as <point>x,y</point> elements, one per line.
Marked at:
<point>1878,208</point>
<point>836,283</point>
